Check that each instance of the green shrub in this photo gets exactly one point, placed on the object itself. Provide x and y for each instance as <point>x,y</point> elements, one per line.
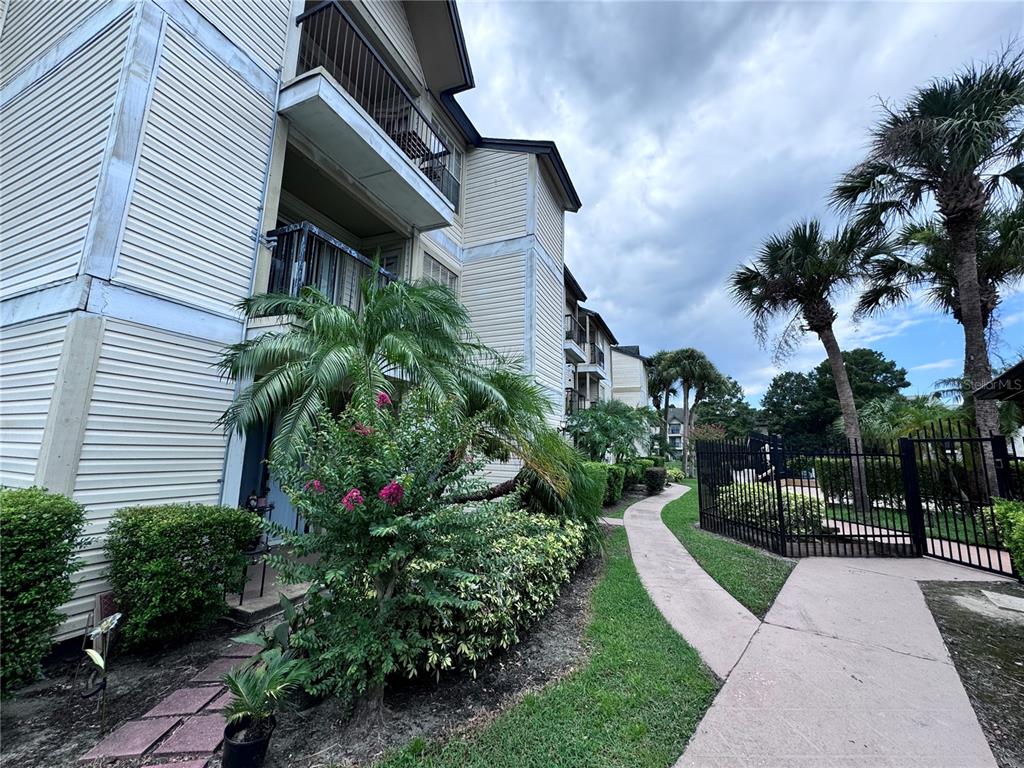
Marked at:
<point>656,461</point>
<point>834,476</point>
<point>1010,517</point>
<point>616,478</point>
<point>654,479</point>
<point>645,464</point>
<point>598,472</point>
<point>756,504</point>
<point>40,531</point>
<point>634,473</point>
<point>674,475</point>
<point>170,566</point>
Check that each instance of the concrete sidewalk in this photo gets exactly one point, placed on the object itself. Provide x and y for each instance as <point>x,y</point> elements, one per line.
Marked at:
<point>848,669</point>
<point>708,617</point>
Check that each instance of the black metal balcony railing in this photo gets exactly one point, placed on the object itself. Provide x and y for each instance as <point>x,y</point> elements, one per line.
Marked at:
<point>331,40</point>
<point>574,331</point>
<point>306,255</point>
<point>574,401</point>
<point>596,355</point>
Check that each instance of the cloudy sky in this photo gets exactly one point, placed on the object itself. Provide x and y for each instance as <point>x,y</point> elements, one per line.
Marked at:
<point>694,130</point>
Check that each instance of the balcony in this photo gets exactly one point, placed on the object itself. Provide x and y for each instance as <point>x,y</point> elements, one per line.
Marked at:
<point>575,340</point>
<point>574,401</point>
<point>305,255</point>
<point>594,363</point>
<point>346,101</point>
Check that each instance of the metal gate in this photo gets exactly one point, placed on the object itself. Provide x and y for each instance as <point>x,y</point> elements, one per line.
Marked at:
<point>930,494</point>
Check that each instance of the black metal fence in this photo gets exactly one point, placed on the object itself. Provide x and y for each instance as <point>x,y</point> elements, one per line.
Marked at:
<point>930,494</point>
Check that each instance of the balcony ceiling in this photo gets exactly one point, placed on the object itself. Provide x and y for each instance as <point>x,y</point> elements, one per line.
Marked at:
<point>331,119</point>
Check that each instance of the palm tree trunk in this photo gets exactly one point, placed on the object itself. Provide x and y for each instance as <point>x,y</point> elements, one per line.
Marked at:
<point>664,424</point>
<point>962,230</point>
<point>686,429</point>
<point>851,423</point>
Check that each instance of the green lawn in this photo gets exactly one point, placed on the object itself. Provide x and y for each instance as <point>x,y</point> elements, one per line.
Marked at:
<point>751,575</point>
<point>937,524</point>
<point>635,703</point>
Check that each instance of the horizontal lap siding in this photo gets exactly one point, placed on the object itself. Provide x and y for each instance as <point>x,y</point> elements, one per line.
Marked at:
<point>52,139</point>
<point>549,356</point>
<point>495,202</point>
<point>550,220</point>
<point>258,27</point>
<point>494,292</point>
<point>29,357</point>
<point>390,15</point>
<point>33,26</point>
<point>151,437</point>
<point>196,201</point>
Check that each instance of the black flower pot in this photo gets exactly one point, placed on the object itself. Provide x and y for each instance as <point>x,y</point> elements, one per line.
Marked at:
<point>245,754</point>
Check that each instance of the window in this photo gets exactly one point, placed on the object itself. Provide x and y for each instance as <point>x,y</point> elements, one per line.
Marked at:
<point>673,429</point>
<point>439,273</point>
<point>446,171</point>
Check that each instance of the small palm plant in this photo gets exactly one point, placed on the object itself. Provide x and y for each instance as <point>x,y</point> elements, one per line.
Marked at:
<point>262,689</point>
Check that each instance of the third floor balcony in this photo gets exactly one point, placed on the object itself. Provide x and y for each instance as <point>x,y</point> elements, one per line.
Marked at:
<point>348,102</point>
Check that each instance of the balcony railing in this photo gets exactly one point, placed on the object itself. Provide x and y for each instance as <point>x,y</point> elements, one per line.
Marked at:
<point>596,356</point>
<point>574,331</point>
<point>331,40</point>
<point>574,401</point>
<point>306,255</point>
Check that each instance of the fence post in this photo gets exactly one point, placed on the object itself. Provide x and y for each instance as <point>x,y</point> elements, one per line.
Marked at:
<point>912,494</point>
<point>778,465</point>
<point>1001,460</point>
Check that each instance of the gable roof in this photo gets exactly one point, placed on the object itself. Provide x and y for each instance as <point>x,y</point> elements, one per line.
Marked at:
<point>632,351</point>
<point>601,323</point>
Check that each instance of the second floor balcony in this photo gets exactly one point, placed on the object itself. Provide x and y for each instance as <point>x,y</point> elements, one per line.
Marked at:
<point>574,401</point>
<point>346,100</point>
<point>575,340</point>
<point>594,362</point>
<point>306,255</point>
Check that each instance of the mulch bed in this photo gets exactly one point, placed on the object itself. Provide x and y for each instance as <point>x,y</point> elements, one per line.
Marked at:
<point>47,724</point>
<point>987,647</point>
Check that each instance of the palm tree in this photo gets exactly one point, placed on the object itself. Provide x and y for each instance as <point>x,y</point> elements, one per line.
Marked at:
<point>796,276</point>
<point>662,376</point>
<point>402,335</point>
<point>697,374</point>
<point>956,141</point>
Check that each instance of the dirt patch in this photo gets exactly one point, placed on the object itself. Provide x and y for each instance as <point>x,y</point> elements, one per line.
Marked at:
<point>429,710</point>
<point>986,643</point>
<point>47,724</point>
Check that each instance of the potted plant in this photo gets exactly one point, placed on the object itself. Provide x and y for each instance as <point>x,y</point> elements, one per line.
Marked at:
<point>260,690</point>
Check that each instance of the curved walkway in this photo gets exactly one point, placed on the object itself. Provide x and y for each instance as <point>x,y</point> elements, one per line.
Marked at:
<point>847,669</point>
<point>708,617</point>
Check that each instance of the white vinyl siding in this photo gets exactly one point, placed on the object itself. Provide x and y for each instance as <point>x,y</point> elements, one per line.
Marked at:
<point>494,292</point>
<point>52,141</point>
<point>29,356</point>
<point>30,27</point>
<point>390,15</point>
<point>197,197</point>
<point>258,27</point>
<point>494,197</point>
<point>629,379</point>
<point>549,357</point>
<point>150,437</point>
<point>550,219</point>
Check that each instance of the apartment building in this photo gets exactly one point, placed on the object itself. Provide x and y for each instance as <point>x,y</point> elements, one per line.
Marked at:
<point>164,159</point>
<point>629,376</point>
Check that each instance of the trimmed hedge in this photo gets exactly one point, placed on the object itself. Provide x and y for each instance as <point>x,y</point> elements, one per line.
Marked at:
<point>598,472</point>
<point>656,461</point>
<point>171,565</point>
<point>1010,517</point>
<point>937,480</point>
<point>634,473</point>
<point>40,531</point>
<point>654,479</point>
<point>755,504</point>
<point>616,478</point>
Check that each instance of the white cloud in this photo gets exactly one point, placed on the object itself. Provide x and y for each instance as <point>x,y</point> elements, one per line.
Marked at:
<point>939,365</point>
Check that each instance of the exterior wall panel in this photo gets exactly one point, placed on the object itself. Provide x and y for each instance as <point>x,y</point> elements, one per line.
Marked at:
<point>260,29</point>
<point>197,198</point>
<point>550,219</point>
<point>390,15</point>
<point>494,292</point>
<point>495,205</point>
<point>549,357</point>
<point>29,358</point>
<point>150,438</point>
<point>53,137</point>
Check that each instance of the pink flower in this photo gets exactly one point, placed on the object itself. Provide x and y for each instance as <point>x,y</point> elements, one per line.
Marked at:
<point>362,429</point>
<point>392,493</point>
<point>383,399</point>
<point>352,498</point>
<point>316,485</point>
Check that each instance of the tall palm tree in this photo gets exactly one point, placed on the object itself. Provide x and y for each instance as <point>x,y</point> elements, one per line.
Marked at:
<point>925,261</point>
<point>696,375</point>
<point>402,334</point>
<point>956,142</point>
<point>796,276</point>
<point>662,376</point>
